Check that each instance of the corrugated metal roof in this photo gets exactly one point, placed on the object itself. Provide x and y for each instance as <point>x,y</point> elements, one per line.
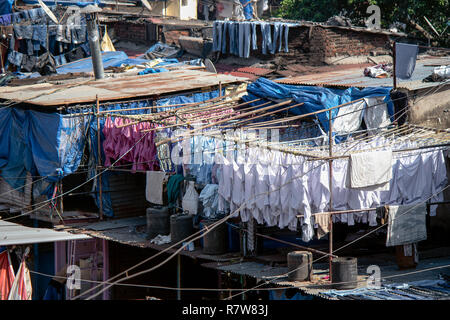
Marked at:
<point>110,89</point>
<point>354,77</point>
<point>14,234</point>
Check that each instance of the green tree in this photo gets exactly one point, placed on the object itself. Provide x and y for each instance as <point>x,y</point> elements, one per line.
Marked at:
<point>402,11</point>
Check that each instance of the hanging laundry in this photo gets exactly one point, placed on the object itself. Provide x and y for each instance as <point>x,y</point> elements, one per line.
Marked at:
<point>405,61</point>
<point>370,168</point>
<point>107,44</point>
<point>323,223</point>
<point>154,186</point>
<point>406,224</point>
<point>6,275</point>
<point>119,140</point>
<point>21,288</point>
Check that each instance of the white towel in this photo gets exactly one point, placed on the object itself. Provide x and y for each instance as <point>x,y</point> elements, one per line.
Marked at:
<point>370,169</point>
<point>407,224</point>
<point>154,187</point>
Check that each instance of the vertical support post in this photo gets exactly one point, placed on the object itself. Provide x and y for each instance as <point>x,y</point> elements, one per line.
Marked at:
<point>61,202</point>
<point>178,276</point>
<point>105,267</point>
<point>394,53</point>
<point>100,187</point>
<point>330,183</point>
<point>94,44</point>
<point>220,88</point>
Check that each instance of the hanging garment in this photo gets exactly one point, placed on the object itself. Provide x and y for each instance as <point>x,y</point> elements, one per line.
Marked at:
<point>21,288</point>
<point>323,224</point>
<point>406,224</point>
<point>348,118</point>
<point>6,275</point>
<point>190,199</point>
<point>107,44</point>
<point>173,189</point>
<point>376,114</point>
<point>154,186</point>
<point>369,169</point>
<point>405,62</point>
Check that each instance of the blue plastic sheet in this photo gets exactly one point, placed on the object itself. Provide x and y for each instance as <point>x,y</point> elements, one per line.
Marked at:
<point>152,70</point>
<point>46,144</point>
<point>6,6</point>
<point>67,3</point>
<point>110,58</point>
<point>314,98</point>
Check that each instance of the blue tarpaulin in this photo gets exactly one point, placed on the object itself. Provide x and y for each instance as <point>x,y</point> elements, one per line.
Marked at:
<point>110,58</point>
<point>67,3</point>
<point>6,6</point>
<point>313,98</point>
<point>45,144</point>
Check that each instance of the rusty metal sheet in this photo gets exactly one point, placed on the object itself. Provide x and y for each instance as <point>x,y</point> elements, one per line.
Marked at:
<point>116,88</point>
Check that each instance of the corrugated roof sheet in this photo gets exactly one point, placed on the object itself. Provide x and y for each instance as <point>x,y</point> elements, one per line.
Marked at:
<point>14,234</point>
<point>110,89</point>
<point>354,77</point>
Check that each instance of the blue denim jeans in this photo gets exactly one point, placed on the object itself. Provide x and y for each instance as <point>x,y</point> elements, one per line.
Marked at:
<point>23,32</point>
<point>286,35</point>
<point>254,42</point>
<point>276,35</point>
<point>241,39</point>
<point>266,37</point>
<point>15,58</point>
<point>225,27</point>
<point>247,39</point>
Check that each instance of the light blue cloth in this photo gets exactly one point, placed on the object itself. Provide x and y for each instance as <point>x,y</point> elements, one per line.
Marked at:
<point>405,62</point>
<point>247,39</point>
<point>254,40</point>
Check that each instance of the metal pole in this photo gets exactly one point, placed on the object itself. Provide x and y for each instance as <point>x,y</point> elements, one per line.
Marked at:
<point>394,62</point>
<point>178,276</point>
<point>100,187</point>
<point>94,43</point>
<point>330,162</point>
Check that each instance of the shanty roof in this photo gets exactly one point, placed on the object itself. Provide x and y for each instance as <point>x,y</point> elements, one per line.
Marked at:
<point>354,77</point>
<point>109,89</point>
<point>13,233</point>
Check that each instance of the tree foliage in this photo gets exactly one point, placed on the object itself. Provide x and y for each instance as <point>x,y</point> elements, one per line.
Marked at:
<point>402,11</point>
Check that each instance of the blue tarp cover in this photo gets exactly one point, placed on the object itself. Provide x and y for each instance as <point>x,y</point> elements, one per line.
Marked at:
<point>110,58</point>
<point>66,2</point>
<point>6,6</point>
<point>314,98</point>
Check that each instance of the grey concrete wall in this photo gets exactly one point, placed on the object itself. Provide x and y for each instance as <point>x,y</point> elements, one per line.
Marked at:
<point>430,108</point>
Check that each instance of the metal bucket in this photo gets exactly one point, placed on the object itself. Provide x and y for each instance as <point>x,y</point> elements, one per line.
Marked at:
<point>181,226</point>
<point>158,221</point>
<point>215,241</point>
<point>299,265</point>
<point>344,272</point>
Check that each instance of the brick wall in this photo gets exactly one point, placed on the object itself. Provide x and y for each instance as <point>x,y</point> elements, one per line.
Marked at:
<point>315,44</point>
<point>135,32</point>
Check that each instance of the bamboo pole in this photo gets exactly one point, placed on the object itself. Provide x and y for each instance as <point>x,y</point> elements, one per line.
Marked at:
<point>100,187</point>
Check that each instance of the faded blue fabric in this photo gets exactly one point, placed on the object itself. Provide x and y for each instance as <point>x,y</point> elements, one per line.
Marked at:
<point>247,39</point>
<point>276,35</point>
<point>225,28</point>
<point>241,40</point>
<point>232,33</point>
<point>23,31</point>
<point>15,58</point>
<point>267,38</point>
<point>254,40</point>
<point>286,36</point>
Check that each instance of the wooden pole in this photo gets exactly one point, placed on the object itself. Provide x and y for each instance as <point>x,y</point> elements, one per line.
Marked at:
<point>99,160</point>
<point>330,183</point>
<point>394,62</point>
